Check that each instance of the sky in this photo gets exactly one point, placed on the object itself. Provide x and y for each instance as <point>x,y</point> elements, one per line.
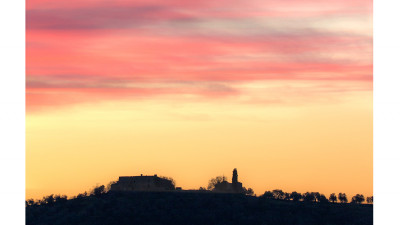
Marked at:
<point>280,90</point>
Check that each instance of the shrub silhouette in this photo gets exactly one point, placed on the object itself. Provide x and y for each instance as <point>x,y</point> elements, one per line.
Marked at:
<point>370,199</point>
<point>248,191</point>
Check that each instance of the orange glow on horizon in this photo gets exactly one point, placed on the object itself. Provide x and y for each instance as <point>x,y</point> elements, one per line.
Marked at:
<point>315,147</point>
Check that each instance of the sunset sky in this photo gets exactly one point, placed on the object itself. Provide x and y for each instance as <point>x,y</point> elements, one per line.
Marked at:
<point>280,90</point>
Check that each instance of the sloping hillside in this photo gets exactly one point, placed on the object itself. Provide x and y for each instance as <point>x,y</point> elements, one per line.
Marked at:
<point>194,208</point>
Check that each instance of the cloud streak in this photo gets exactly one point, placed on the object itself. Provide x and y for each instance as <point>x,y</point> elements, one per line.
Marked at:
<point>205,48</point>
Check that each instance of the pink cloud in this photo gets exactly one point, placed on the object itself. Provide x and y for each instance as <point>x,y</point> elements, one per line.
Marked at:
<point>101,49</point>
<point>145,57</point>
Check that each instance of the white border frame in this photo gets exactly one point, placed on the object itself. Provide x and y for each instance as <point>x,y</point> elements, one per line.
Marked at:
<point>12,112</point>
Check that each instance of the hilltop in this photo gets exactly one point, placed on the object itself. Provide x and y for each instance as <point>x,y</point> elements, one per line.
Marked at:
<point>194,208</point>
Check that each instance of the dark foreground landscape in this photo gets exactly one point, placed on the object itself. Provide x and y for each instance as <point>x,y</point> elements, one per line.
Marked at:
<point>194,208</point>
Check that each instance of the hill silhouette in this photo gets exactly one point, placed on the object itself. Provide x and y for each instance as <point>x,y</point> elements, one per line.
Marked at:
<point>188,207</point>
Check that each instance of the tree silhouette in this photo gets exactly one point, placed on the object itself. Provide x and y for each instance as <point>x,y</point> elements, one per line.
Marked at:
<point>317,196</point>
<point>295,196</point>
<point>358,199</point>
<point>98,190</point>
<point>322,198</point>
<point>342,198</point>
<point>60,198</point>
<point>108,188</point>
<point>248,191</point>
<point>333,198</point>
<point>48,200</point>
<point>370,199</point>
<point>29,202</point>
<point>170,179</point>
<point>309,197</point>
<point>286,196</point>
<point>268,194</point>
<point>82,195</point>
<point>214,181</point>
<point>278,194</point>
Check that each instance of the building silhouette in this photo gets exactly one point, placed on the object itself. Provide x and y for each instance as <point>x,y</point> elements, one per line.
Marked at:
<point>156,183</point>
<point>143,183</point>
<point>226,187</point>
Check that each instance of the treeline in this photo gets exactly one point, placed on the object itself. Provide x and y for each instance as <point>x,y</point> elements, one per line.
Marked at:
<point>295,196</point>
<point>193,207</point>
<point>53,199</point>
<point>315,197</point>
<point>277,194</point>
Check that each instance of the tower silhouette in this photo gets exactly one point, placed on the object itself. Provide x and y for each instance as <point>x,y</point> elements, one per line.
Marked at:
<point>234,176</point>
